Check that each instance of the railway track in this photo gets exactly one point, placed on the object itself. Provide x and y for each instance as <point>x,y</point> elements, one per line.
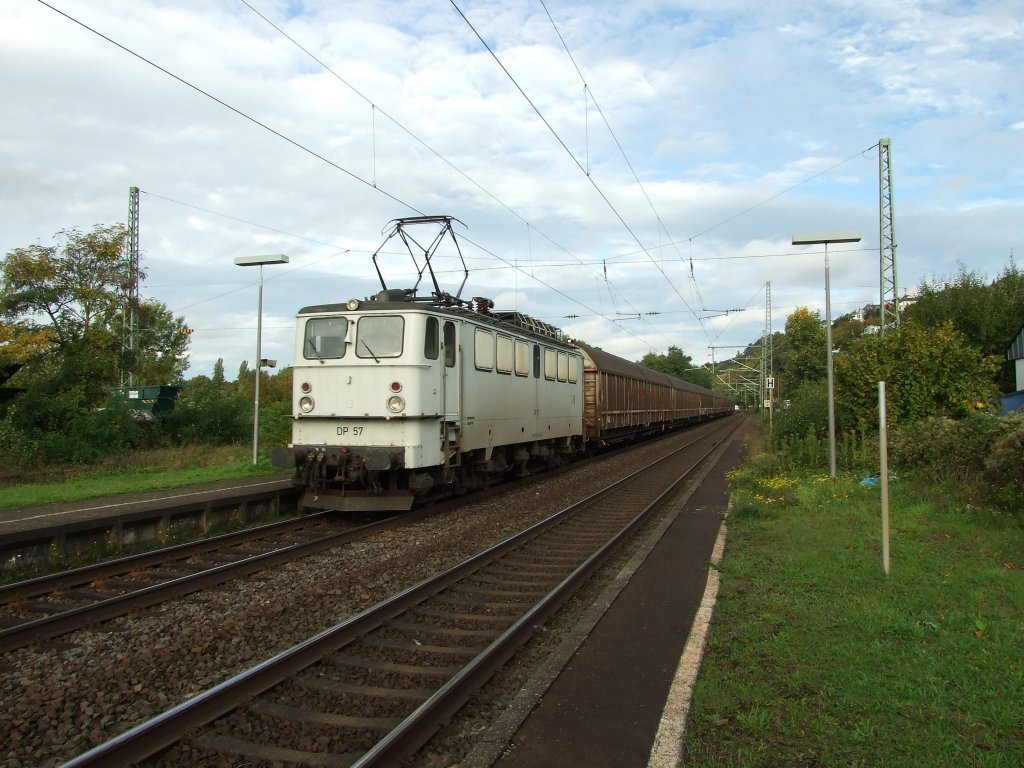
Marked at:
<point>375,687</point>
<point>57,604</point>
<point>49,606</point>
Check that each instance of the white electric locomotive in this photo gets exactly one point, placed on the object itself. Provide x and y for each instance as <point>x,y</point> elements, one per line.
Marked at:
<point>397,397</point>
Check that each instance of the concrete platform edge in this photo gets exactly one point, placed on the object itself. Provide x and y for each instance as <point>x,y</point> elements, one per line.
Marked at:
<point>667,750</point>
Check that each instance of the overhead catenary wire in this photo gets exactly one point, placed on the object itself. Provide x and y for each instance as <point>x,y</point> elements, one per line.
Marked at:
<point>372,183</point>
<point>622,152</point>
<point>298,145</point>
<point>376,108</point>
<point>575,160</point>
<point>234,109</point>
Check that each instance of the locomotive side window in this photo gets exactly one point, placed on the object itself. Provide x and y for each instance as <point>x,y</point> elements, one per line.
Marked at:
<point>550,364</point>
<point>449,344</point>
<point>380,336</point>
<point>563,366</point>
<point>431,341</point>
<point>325,338</point>
<point>536,361</point>
<point>574,369</point>
<point>522,358</point>
<point>483,347</point>
<point>504,360</point>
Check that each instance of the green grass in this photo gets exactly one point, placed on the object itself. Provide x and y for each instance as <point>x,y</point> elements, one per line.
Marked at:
<point>817,658</point>
<point>144,471</point>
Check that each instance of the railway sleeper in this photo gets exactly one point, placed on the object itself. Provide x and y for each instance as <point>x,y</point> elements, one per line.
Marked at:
<point>233,746</point>
<point>323,685</point>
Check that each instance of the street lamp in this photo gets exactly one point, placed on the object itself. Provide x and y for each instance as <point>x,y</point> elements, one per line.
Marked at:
<point>824,238</point>
<point>259,261</point>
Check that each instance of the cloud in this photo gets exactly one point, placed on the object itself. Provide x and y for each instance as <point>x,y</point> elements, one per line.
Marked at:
<point>731,130</point>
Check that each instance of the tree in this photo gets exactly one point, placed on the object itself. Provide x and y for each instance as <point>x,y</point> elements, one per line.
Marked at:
<point>677,363</point>
<point>987,314</point>
<point>928,372</point>
<point>63,308</point>
<point>23,343</point>
<point>72,287</point>
<point>161,355</point>
<point>805,353</point>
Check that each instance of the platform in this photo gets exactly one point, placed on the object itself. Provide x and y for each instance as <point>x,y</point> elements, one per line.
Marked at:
<point>58,531</point>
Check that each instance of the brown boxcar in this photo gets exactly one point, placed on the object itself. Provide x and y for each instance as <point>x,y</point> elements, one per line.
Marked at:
<point>624,400</point>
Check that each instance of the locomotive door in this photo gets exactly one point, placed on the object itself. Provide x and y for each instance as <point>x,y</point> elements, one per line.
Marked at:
<point>451,400</point>
<point>450,379</point>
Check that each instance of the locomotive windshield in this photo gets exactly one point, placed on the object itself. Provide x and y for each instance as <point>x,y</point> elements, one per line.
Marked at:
<point>380,336</point>
<point>325,338</point>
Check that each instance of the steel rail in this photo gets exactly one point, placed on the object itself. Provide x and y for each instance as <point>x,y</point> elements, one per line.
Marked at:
<point>86,574</point>
<point>72,619</point>
<point>148,738</point>
<point>77,618</point>
<point>417,728</point>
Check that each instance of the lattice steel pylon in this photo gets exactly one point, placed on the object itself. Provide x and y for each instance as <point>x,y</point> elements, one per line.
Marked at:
<point>129,342</point>
<point>889,300</point>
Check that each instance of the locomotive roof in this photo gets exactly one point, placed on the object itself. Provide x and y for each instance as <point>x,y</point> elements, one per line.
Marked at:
<point>506,320</point>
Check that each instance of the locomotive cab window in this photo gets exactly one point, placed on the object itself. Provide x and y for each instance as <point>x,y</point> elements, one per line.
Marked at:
<point>449,344</point>
<point>574,368</point>
<point>380,336</point>
<point>563,366</point>
<point>325,338</point>
<point>431,341</point>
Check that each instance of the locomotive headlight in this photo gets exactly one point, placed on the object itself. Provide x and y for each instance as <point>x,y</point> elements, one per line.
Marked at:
<point>396,403</point>
<point>305,403</point>
<point>352,304</point>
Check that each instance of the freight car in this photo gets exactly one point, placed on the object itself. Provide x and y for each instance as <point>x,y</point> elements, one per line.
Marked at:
<point>626,401</point>
<point>399,398</point>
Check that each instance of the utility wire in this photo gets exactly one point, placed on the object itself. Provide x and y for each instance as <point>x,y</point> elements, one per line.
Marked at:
<point>558,138</point>
<point>422,143</point>
<point>622,151</point>
<point>786,191</point>
<point>237,111</point>
<point>245,221</point>
<point>291,141</point>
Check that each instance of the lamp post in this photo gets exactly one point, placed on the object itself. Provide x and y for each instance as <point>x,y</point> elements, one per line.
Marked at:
<point>259,261</point>
<point>824,238</point>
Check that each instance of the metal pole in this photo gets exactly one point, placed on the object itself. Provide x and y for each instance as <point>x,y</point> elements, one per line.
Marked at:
<point>256,412</point>
<point>831,391</point>
<point>883,450</point>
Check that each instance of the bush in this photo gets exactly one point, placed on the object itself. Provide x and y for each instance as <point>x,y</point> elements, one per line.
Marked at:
<point>275,425</point>
<point>806,416</point>
<point>981,454</point>
<point>210,413</point>
<point>20,449</point>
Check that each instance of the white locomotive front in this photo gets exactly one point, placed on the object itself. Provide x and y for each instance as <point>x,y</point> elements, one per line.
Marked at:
<point>398,398</point>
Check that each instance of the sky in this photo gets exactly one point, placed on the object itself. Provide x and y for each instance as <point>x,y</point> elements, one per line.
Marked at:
<point>631,172</point>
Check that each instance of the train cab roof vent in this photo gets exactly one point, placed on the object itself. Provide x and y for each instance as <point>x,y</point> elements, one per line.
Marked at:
<point>395,294</point>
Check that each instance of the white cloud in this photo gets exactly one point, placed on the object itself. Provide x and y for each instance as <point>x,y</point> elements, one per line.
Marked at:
<point>744,127</point>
